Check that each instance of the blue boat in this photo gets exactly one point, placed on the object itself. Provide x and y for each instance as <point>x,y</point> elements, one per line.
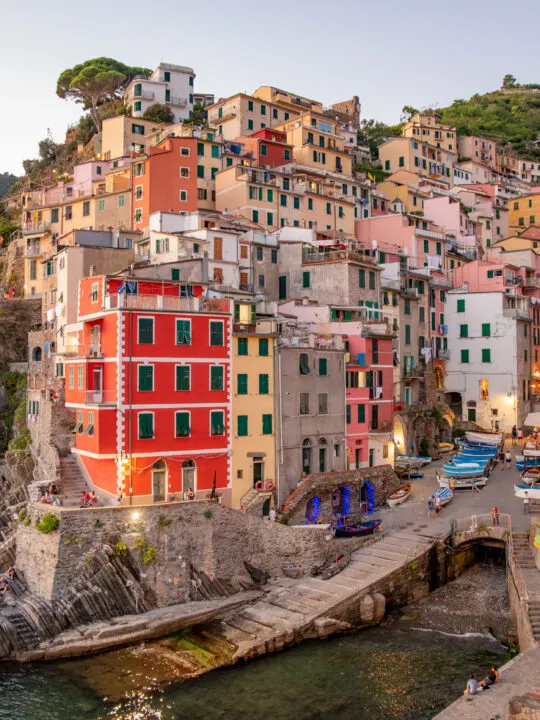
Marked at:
<point>465,470</point>
<point>531,462</point>
<point>479,450</point>
<point>460,459</point>
<point>444,494</point>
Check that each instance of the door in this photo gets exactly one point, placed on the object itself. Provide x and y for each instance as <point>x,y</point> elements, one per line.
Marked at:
<point>322,460</point>
<point>159,485</point>
<point>306,457</point>
<point>97,394</point>
<point>371,457</point>
<point>218,248</point>
<point>282,287</point>
<point>188,476</point>
<point>471,414</point>
<point>258,471</point>
<point>357,459</point>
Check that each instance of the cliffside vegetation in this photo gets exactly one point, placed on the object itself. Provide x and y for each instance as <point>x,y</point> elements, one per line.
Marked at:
<point>7,180</point>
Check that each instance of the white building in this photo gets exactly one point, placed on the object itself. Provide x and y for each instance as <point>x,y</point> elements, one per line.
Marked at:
<point>170,85</point>
<point>488,371</point>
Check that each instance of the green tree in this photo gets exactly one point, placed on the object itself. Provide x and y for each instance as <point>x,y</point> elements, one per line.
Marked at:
<point>407,111</point>
<point>96,81</point>
<point>199,115</point>
<point>509,81</point>
<point>159,113</point>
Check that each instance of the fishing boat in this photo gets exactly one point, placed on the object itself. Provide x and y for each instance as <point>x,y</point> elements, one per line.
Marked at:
<point>484,438</point>
<point>523,462</point>
<point>461,483</point>
<point>530,475</point>
<point>480,459</point>
<point>398,497</point>
<point>363,528</point>
<point>444,494</point>
<point>478,449</point>
<point>467,470</point>
<point>446,447</point>
<point>416,475</point>
<point>336,567</point>
<point>533,491</point>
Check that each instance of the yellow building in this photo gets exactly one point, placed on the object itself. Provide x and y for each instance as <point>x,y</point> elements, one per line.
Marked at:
<point>290,100</point>
<point>524,210</point>
<point>411,197</point>
<point>254,398</point>
<point>38,244</point>
<point>122,135</point>
<point>240,115</point>
<point>417,156</point>
<point>426,127</point>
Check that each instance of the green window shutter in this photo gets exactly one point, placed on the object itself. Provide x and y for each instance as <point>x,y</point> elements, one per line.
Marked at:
<point>306,279</point>
<point>182,427</point>
<point>407,334</point>
<point>175,274</point>
<point>146,426</point>
<point>183,377</point>
<point>242,346</point>
<point>263,384</point>
<point>145,378</point>
<point>362,278</point>
<point>310,204</point>
<point>439,248</point>
<point>263,347</point>
<point>407,306</point>
<point>255,216</point>
<point>242,426</point>
<point>486,330</point>
<point>200,149</point>
<point>296,203</point>
<point>361,413</point>
<point>250,124</point>
<point>216,377</point>
<point>348,410</point>
<point>426,246</point>
<point>463,331</point>
<point>200,171</point>
<point>401,161</point>
<point>270,195</point>
<point>382,258</point>
<point>323,366</point>
<point>461,306</point>
<point>283,200</point>
<point>387,164</point>
<point>433,321</point>
<point>217,422</point>
<point>183,332</point>
<point>242,384</point>
<point>267,424</point>
<point>464,356</point>
<point>490,273</point>
<point>215,151</point>
<point>486,355</point>
<point>286,154</point>
<point>216,333</point>
<point>371,277</point>
<point>270,219</point>
<point>250,105</point>
<point>146,331</point>
<point>264,149</point>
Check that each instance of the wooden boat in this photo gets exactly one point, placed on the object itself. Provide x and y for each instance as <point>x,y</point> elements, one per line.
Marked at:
<point>530,475</point>
<point>484,438</point>
<point>524,463</point>
<point>446,447</point>
<point>364,528</point>
<point>444,494</point>
<point>533,491</point>
<point>461,483</point>
<point>467,470</point>
<point>416,475</point>
<point>468,459</point>
<point>337,566</point>
<point>478,449</point>
<point>398,497</point>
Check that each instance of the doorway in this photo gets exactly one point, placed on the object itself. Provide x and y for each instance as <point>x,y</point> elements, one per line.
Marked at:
<point>97,384</point>
<point>322,455</point>
<point>357,458</point>
<point>188,475</point>
<point>258,470</point>
<point>306,456</point>
<point>371,457</point>
<point>159,481</point>
<point>367,496</point>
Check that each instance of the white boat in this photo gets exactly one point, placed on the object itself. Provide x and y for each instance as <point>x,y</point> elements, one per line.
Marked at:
<point>398,497</point>
<point>457,483</point>
<point>484,438</point>
<point>446,447</point>
<point>528,452</point>
<point>530,476</point>
<point>533,491</point>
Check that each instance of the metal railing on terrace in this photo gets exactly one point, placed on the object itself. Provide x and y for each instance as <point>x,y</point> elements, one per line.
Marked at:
<point>310,256</point>
<point>166,302</point>
<point>100,397</point>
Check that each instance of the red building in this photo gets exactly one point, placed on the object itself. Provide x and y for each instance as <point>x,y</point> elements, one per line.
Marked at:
<point>150,383</point>
<point>369,397</point>
<point>269,147</point>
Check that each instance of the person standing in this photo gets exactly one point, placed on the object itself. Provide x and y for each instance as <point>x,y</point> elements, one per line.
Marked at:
<point>272,515</point>
<point>514,435</point>
<point>520,435</point>
<point>495,515</point>
<point>501,459</point>
<point>431,508</point>
<point>508,458</point>
<point>526,504</point>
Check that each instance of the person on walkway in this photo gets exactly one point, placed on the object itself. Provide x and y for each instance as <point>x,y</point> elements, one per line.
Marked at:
<point>438,506</point>
<point>431,508</point>
<point>190,495</point>
<point>520,435</point>
<point>472,686</point>
<point>495,515</point>
<point>514,435</point>
<point>272,515</point>
<point>508,458</point>
<point>501,459</point>
<point>526,504</point>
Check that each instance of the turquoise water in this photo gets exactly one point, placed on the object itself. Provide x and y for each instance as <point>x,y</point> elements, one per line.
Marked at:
<point>380,674</point>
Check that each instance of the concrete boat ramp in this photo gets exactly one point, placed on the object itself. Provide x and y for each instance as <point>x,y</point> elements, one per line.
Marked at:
<point>294,610</point>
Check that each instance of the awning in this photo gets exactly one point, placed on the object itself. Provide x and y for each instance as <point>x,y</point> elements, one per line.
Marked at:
<point>533,419</point>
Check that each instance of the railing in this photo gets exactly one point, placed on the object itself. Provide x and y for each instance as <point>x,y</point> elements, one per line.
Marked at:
<point>145,94</point>
<point>175,100</point>
<point>35,227</point>
<point>443,354</point>
<point>100,397</point>
<point>166,302</point>
<point>430,233</point>
<point>516,313</point>
<point>383,427</point>
<point>333,255</point>
<point>33,252</point>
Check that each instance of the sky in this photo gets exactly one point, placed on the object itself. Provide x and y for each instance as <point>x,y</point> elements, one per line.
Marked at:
<point>415,52</point>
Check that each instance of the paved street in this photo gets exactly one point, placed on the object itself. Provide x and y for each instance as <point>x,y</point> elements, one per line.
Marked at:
<point>497,492</point>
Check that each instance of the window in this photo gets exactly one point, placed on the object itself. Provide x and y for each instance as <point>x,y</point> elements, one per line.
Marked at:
<point>137,106</point>
<point>306,279</point>
<point>250,105</point>
<point>261,281</point>
<point>461,306</point>
<point>328,208</point>
<point>464,356</point>
<point>486,330</point>
<point>286,154</point>
<point>33,269</point>
<point>145,331</point>
<point>72,377</point>
<point>361,413</point>
<point>255,216</point>
<point>181,425</point>
<point>407,334</point>
<point>183,332</point>
<point>421,314</point>
<point>146,426</point>
<point>89,429</point>
<point>387,164</point>
<point>264,149</point>
<point>283,200</point>
<point>426,246</point>
<point>145,378</point>
<point>401,161</point>
<point>242,426</point>
<point>274,257</point>
<point>362,278</point>
<point>121,201</point>
<point>463,331</point>
<point>183,196</point>
<point>407,306</point>
<point>486,355</point>
<point>54,215</point>
<point>348,414</point>
<point>216,333</point>
<point>263,384</point>
<point>200,149</point>
<point>183,377</point>
<point>215,151</point>
<point>217,422</point>
<point>304,403</point>
<point>263,109</point>
<point>323,403</point>
<point>101,205</point>
<point>263,347</point>
<point>371,277</point>
<point>217,377</point>
<point>260,254</point>
<point>250,124</point>
<point>79,425</point>
<point>243,346</point>
<point>439,248</point>
<point>242,384</point>
<point>85,209</point>
<point>267,424</point>
<point>323,366</point>
<point>303,364</point>
<point>296,203</point>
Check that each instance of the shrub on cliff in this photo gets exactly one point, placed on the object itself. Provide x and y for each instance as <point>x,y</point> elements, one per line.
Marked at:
<point>47,523</point>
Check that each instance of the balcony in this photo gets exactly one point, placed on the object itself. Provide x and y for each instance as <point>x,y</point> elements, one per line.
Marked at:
<point>443,355</point>
<point>166,303</point>
<point>177,101</point>
<point>382,428</point>
<point>37,227</point>
<point>309,256</point>
<point>145,95</point>
<point>516,313</point>
<point>100,397</point>
<point>33,252</point>
<point>532,282</point>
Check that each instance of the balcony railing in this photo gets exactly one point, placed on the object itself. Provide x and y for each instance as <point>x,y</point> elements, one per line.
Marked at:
<point>165,302</point>
<point>145,94</point>
<point>517,313</point>
<point>443,354</point>
<point>309,256</point>
<point>175,100</point>
<point>382,427</point>
<point>36,227</point>
<point>100,397</point>
<point>33,252</point>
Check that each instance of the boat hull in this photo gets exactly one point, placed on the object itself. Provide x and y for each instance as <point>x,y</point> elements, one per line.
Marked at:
<point>357,530</point>
<point>400,496</point>
<point>533,493</point>
<point>461,483</point>
<point>445,495</point>
<point>484,438</point>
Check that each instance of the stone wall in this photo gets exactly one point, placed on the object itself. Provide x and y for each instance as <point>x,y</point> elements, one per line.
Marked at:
<point>382,477</point>
<point>197,544</point>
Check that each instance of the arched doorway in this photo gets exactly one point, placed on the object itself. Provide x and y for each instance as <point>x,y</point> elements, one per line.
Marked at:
<point>306,456</point>
<point>367,497</point>
<point>322,455</point>
<point>455,402</point>
<point>189,470</point>
<point>36,354</point>
<point>159,481</point>
<point>313,508</point>
<point>341,501</point>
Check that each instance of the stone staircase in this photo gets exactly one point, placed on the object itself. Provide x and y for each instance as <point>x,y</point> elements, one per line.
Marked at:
<point>522,550</point>
<point>73,482</point>
<point>525,560</point>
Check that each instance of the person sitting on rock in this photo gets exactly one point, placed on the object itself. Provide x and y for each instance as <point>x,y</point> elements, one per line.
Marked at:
<point>472,686</point>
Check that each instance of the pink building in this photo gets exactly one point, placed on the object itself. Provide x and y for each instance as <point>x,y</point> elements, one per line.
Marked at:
<point>490,276</point>
<point>478,149</point>
<point>448,213</point>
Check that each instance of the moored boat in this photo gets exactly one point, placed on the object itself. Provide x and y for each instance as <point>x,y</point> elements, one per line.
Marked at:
<point>364,528</point>
<point>484,438</point>
<point>398,497</point>
<point>466,470</point>
<point>533,491</point>
<point>418,460</point>
<point>446,447</point>
<point>444,494</point>
<point>530,475</point>
<point>457,483</point>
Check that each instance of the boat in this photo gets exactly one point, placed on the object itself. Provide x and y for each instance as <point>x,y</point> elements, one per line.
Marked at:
<point>466,470</point>
<point>523,463</point>
<point>416,475</point>
<point>398,497</point>
<point>480,459</point>
<point>478,449</point>
<point>484,438</point>
<point>336,567</point>
<point>530,475</point>
<point>533,491</point>
<point>461,483</point>
<point>444,494</point>
<point>363,528</point>
<point>446,447</point>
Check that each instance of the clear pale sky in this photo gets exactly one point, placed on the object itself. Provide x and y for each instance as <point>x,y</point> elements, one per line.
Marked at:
<point>390,54</point>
